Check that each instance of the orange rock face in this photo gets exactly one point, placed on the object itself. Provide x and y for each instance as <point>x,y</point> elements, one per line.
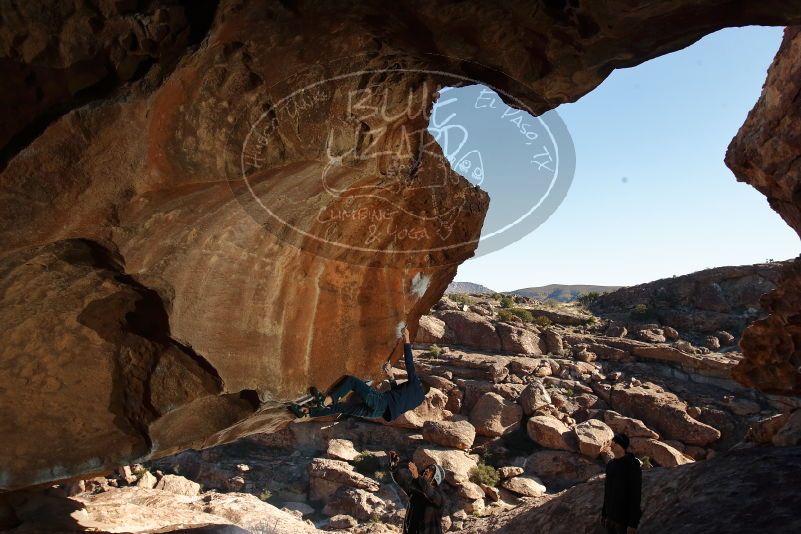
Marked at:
<point>246,214</point>
<point>766,153</point>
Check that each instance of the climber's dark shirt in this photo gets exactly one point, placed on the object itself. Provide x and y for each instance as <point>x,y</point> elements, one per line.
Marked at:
<point>407,396</point>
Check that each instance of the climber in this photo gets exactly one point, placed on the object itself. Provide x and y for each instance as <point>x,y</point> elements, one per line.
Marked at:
<point>389,404</point>
<point>622,490</point>
<point>426,501</point>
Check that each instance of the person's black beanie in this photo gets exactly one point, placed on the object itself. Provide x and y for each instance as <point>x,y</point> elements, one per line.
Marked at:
<point>622,440</point>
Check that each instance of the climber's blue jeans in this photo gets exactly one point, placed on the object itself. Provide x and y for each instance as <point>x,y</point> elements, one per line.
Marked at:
<point>373,404</point>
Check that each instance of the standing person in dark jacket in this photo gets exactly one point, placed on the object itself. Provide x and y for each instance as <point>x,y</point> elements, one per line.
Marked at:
<point>426,501</point>
<point>622,490</point>
<point>389,404</point>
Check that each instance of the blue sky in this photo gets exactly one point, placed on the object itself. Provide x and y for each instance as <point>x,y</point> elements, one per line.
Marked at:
<point>651,196</point>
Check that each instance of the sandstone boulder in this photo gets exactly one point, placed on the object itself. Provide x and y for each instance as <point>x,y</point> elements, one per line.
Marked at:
<point>472,330</point>
<point>553,342</point>
<point>431,330</point>
<point>525,485</point>
<point>711,342</point>
<point>470,491</point>
<point>326,476</point>
<point>664,412</point>
<point>762,431</point>
<point>670,333</point>
<point>661,453</point>
<point>519,340</point>
<point>495,416</point>
<point>491,492</point>
<point>561,465</point>
<point>616,330</point>
<point>354,502</point>
<point>510,471</point>
<point>342,522</point>
<point>178,485</point>
<point>633,428</point>
<point>651,335</point>
<point>455,434</point>
<point>341,449</point>
<point>725,338</point>
<point>534,397</point>
<point>584,355</point>
<point>146,480</point>
<point>593,436</point>
<point>549,432</point>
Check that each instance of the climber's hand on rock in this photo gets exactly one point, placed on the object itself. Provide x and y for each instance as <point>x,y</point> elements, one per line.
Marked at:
<point>394,458</point>
<point>405,333</point>
<point>387,368</point>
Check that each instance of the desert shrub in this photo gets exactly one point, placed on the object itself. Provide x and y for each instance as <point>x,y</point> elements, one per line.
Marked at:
<point>507,302</point>
<point>641,312</point>
<point>461,298</point>
<point>265,495</point>
<point>587,299</point>
<point>505,315</point>
<point>435,351</point>
<point>541,320</point>
<point>646,462</point>
<point>523,314</point>
<point>367,464</point>
<point>484,474</point>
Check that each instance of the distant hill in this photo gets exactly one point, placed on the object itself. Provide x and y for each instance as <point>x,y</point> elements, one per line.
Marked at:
<point>560,292</point>
<point>468,287</point>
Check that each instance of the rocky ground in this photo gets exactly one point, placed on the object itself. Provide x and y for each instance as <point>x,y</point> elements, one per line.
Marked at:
<point>525,398</point>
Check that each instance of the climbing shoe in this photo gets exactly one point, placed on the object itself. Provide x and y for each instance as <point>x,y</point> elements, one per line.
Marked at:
<point>298,411</point>
<point>317,397</point>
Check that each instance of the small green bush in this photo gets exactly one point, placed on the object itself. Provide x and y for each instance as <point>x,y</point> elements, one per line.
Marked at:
<point>435,351</point>
<point>461,298</point>
<point>505,315</point>
<point>541,320</point>
<point>265,495</point>
<point>484,474</point>
<point>640,312</point>
<point>523,314</point>
<point>507,302</point>
<point>646,462</point>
